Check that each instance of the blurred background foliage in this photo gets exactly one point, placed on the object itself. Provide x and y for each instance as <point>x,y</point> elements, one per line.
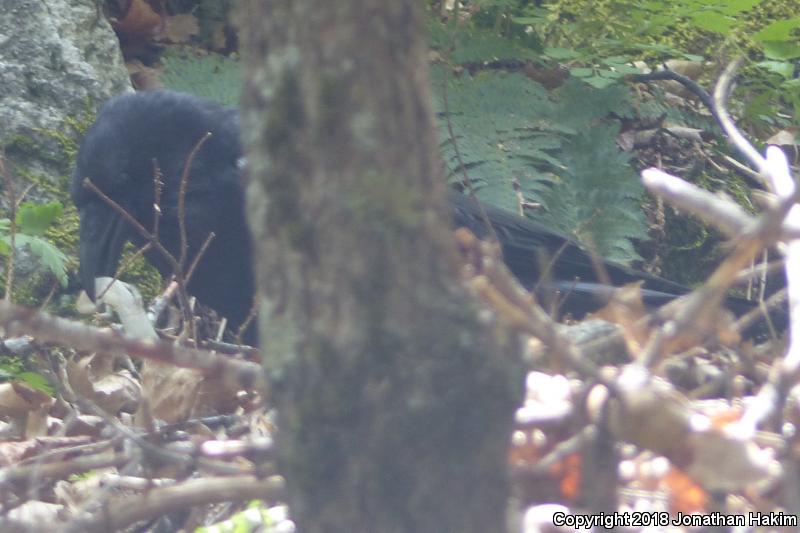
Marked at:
<point>534,100</point>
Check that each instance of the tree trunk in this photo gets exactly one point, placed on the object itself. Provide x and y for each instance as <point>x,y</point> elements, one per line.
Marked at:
<point>395,402</point>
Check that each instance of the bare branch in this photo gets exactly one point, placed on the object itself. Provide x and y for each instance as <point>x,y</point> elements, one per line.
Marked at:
<point>182,199</point>
<point>200,254</point>
<point>15,478</point>
<point>784,372</point>
<point>489,279</point>
<point>725,215</point>
<point>47,328</point>
<point>126,510</point>
<point>735,137</point>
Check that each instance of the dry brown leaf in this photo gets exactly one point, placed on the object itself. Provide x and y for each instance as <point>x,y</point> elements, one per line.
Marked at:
<point>93,377</point>
<point>117,392</point>
<point>13,452</point>
<point>140,22</point>
<point>171,393</point>
<point>18,399</point>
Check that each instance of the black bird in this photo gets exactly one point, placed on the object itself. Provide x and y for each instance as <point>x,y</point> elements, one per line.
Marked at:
<point>135,133</point>
<point>132,136</point>
<point>532,250</point>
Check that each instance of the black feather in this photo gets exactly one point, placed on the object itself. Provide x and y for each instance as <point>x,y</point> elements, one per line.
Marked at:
<point>132,135</point>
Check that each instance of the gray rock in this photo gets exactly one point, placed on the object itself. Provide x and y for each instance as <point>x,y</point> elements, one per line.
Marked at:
<point>57,58</point>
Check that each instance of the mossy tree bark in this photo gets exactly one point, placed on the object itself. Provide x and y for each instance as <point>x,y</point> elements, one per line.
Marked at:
<point>395,401</point>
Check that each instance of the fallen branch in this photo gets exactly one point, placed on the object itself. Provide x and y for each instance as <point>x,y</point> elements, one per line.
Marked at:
<point>46,328</point>
<point>126,510</point>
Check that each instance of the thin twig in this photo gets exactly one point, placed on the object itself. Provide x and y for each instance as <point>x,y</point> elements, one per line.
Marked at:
<point>749,319</point>
<point>159,304</point>
<point>741,168</point>
<point>199,256</point>
<point>125,265</point>
<point>183,296</point>
<point>182,199</point>
<point>754,236</point>
<point>461,165</point>
<point>493,284</point>
<point>47,328</point>
<point>12,216</point>
<point>712,209</point>
<point>564,449</point>
<point>164,453</point>
<point>251,315</point>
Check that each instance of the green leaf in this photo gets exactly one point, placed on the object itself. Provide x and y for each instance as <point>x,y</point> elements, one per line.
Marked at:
<point>51,257</point>
<point>784,69</point>
<point>614,61</point>
<point>581,72</point>
<point>732,7</point>
<point>780,30</point>
<point>477,46</point>
<point>793,84</point>
<point>34,219</point>
<point>781,50</point>
<point>501,4</point>
<point>559,147</point>
<point>581,105</point>
<point>599,196</point>
<point>693,57</point>
<point>36,381</point>
<point>715,22</point>
<point>600,82</point>
<point>627,69</point>
<point>562,53</point>
<point>502,134</point>
<point>610,74</point>
<point>5,226</point>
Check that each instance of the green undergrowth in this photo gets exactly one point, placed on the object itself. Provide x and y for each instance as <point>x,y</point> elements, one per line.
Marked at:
<point>558,147</point>
<point>62,232</point>
<point>212,76</point>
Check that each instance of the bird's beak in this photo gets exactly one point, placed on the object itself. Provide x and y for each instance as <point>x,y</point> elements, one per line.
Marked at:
<point>103,233</point>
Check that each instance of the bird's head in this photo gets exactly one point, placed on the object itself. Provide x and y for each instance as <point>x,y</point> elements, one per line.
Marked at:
<point>143,154</point>
<point>95,188</point>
